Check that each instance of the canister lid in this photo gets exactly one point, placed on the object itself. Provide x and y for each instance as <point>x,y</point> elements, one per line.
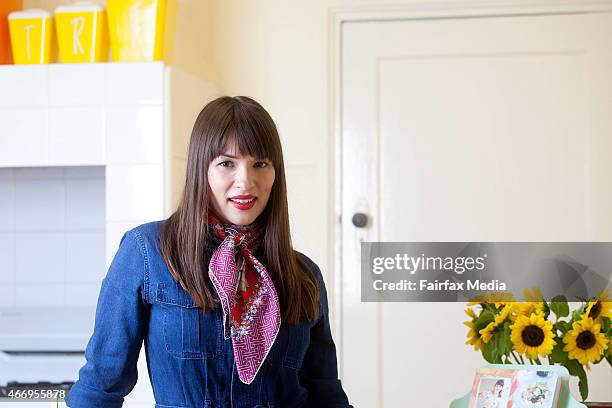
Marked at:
<point>79,7</point>
<point>29,13</point>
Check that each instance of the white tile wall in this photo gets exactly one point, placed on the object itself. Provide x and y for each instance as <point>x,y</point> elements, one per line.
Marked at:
<point>47,295</point>
<point>76,136</point>
<point>40,257</point>
<point>7,198</point>
<point>85,256</point>
<point>33,173</point>
<point>52,235</point>
<point>134,83</point>
<point>84,196</point>
<point>58,114</point>
<point>76,84</point>
<point>24,86</point>
<point>39,204</point>
<point>134,192</point>
<point>24,137</point>
<point>7,296</point>
<point>7,255</point>
<point>85,172</point>
<point>135,134</point>
<point>81,295</point>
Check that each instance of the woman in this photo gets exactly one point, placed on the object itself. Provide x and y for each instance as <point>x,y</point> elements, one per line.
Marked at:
<point>230,314</point>
<point>493,397</point>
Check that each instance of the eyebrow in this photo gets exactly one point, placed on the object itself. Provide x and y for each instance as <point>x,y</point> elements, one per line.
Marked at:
<point>234,157</point>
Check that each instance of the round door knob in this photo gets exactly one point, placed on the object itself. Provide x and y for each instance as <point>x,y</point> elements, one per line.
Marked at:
<point>360,220</point>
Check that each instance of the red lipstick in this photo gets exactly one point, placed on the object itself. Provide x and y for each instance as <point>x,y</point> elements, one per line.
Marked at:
<point>243,202</point>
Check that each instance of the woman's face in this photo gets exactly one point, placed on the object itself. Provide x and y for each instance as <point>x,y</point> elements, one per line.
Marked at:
<point>240,186</point>
<point>497,389</point>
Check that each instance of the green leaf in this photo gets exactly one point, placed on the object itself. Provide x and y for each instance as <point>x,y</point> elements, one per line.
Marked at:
<point>498,358</point>
<point>577,370</point>
<point>563,326</point>
<point>583,386</point>
<point>483,320</point>
<point>488,352</point>
<point>546,309</point>
<point>486,316</point>
<point>559,306</point>
<point>504,344</point>
<point>606,326</point>
<point>499,342</point>
<point>577,315</point>
<point>573,366</point>
<point>557,355</point>
<point>497,347</point>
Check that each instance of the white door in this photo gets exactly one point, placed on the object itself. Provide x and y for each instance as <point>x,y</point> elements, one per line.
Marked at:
<point>467,129</point>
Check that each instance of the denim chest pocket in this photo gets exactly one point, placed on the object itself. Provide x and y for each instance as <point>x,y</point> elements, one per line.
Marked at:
<point>188,331</point>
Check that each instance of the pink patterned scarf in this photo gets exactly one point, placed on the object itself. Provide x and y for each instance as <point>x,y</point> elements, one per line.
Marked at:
<point>249,300</point>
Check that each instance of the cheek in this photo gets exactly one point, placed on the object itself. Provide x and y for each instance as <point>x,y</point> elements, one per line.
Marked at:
<point>272,177</point>
<point>217,185</point>
<point>269,182</point>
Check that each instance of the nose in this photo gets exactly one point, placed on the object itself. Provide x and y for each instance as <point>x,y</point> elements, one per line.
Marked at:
<point>245,179</point>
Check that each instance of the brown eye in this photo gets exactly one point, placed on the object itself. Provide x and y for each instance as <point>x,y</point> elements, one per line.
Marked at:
<point>261,164</point>
<point>226,163</point>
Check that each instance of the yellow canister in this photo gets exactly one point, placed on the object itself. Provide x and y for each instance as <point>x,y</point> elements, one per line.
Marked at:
<point>82,32</point>
<point>141,30</point>
<point>32,37</point>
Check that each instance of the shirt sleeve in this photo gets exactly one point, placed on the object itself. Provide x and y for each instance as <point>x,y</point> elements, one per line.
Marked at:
<point>110,371</point>
<point>319,371</point>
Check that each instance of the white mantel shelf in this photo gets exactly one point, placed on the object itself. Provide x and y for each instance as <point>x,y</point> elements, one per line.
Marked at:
<point>75,114</point>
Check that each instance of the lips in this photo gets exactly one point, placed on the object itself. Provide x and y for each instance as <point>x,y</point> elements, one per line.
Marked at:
<point>243,202</point>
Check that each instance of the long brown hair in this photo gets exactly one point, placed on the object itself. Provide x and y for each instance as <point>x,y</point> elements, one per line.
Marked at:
<point>185,239</point>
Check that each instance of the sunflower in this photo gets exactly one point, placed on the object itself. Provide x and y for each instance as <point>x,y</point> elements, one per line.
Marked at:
<point>534,303</point>
<point>584,342</point>
<point>473,336</point>
<point>487,333</point>
<point>526,309</point>
<point>600,306</point>
<point>532,335</point>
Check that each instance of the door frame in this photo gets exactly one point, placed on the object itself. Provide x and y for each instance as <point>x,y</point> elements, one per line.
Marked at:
<point>337,16</point>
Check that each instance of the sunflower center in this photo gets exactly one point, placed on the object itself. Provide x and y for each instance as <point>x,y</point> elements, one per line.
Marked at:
<point>595,310</point>
<point>533,336</point>
<point>586,340</point>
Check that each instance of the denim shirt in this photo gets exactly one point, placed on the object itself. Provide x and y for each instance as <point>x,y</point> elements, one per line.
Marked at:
<point>190,363</point>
